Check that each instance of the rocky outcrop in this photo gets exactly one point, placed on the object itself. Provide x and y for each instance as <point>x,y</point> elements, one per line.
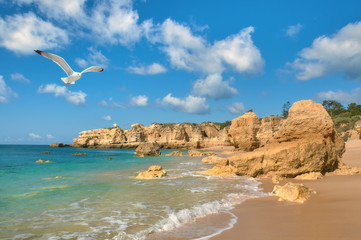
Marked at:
<point>59,144</point>
<point>170,135</point>
<point>243,132</point>
<point>306,142</point>
<point>193,153</point>
<point>293,192</point>
<point>355,133</point>
<point>148,149</point>
<point>269,126</point>
<point>154,171</point>
<point>310,176</point>
<point>175,154</point>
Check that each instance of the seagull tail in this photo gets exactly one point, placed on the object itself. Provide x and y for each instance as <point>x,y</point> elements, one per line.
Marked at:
<point>65,79</point>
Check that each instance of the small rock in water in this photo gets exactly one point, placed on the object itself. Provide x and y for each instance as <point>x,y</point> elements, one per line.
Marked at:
<point>154,171</point>
<point>79,154</point>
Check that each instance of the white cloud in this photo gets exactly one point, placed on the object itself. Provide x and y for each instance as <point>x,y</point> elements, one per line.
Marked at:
<point>236,108</point>
<point>347,97</point>
<point>111,104</point>
<point>19,77</point>
<point>23,33</point>
<point>58,9</point>
<point>339,53</point>
<point>293,30</point>
<point>139,101</point>
<point>154,68</point>
<point>5,92</point>
<point>49,136</point>
<point>75,98</point>
<point>95,58</point>
<point>35,136</point>
<point>191,104</point>
<point>213,87</point>
<point>107,118</point>
<point>193,53</point>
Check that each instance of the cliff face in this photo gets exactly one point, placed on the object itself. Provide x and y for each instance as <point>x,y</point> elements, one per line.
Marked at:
<point>306,142</point>
<point>170,135</point>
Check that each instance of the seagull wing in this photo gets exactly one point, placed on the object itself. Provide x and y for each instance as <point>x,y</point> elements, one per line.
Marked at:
<point>93,69</point>
<point>58,60</point>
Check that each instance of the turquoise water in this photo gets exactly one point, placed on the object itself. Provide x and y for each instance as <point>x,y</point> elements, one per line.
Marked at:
<point>92,197</point>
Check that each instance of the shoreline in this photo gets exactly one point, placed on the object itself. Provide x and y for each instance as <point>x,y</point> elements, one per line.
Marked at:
<point>334,212</point>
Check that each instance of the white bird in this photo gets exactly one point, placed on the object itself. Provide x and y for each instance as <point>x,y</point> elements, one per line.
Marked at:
<point>72,76</point>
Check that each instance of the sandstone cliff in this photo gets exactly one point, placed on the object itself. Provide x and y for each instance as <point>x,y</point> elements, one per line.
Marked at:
<point>306,142</point>
<point>170,135</point>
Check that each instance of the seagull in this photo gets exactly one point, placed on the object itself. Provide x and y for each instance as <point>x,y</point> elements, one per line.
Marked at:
<point>72,76</point>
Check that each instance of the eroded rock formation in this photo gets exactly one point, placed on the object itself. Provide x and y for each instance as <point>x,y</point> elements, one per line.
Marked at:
<point>170,135</point>
<point>148,149</point>
<point>293,192</point>
<point>306,142</point>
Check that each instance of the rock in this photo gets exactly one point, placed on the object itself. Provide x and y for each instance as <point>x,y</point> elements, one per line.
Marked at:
<point>345,170</point>
<point>43,161</point>
<point>154,171</point>
<point>215,160</point>
<point>355,133</point>
<point>109,158</point>
<point>59,144</point>
<point>293,192</point>
<point>310,176</point>
<point>193,153</point>
<point>46,152</point>
<point>175,154</point>
<point>79,154</point>
<point>276,179</point>
<point>243,132</point>
<point>148,149</point>
<point>269,125</point>
<point>306,142</point>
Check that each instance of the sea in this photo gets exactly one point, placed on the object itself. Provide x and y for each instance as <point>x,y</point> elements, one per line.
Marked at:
<point>96,196</point>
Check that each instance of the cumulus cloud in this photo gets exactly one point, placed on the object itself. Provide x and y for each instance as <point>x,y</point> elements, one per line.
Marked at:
<point>5,92</point>
<point>107,118</point>
<point>339,53</point>
<point>191,104</point>
<point>189,52</point>
<point>75,98</point>
<point>341,96</point>
<point>213,87</point>
<point>139,101</point>
<point>19,77</point>
<point>94,58</point>
<point>236,108</point>
<point>154,68</point>
<point>22,33</point>
<point>34,136</point>
<point>293,30</point>
<point>57,9</point>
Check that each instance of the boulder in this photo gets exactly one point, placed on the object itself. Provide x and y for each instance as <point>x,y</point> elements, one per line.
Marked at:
<point>243,132</point>
<point>148,149</point>
<point>154,171</point>
<point>269,125</point>
<point>306,142</point>
<point>175,154</point>
<point>292,192</point>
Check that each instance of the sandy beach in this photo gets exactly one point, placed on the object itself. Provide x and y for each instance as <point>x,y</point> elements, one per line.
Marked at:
<point>333,213</point>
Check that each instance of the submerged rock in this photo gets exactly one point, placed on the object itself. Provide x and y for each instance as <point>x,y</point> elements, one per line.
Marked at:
<point>292,192</point>
<point>154,171</point>
<point>193,153</point>
<point>43,161</point>
<point>79,154</point>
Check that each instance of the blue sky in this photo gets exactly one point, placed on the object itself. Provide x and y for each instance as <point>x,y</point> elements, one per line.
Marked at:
<point>170,61</point>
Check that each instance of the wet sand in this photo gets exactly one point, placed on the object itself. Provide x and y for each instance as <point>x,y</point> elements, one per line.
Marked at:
<point>333,213</point>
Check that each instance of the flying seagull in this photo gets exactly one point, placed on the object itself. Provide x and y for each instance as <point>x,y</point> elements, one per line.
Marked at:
<point>72,76</point>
